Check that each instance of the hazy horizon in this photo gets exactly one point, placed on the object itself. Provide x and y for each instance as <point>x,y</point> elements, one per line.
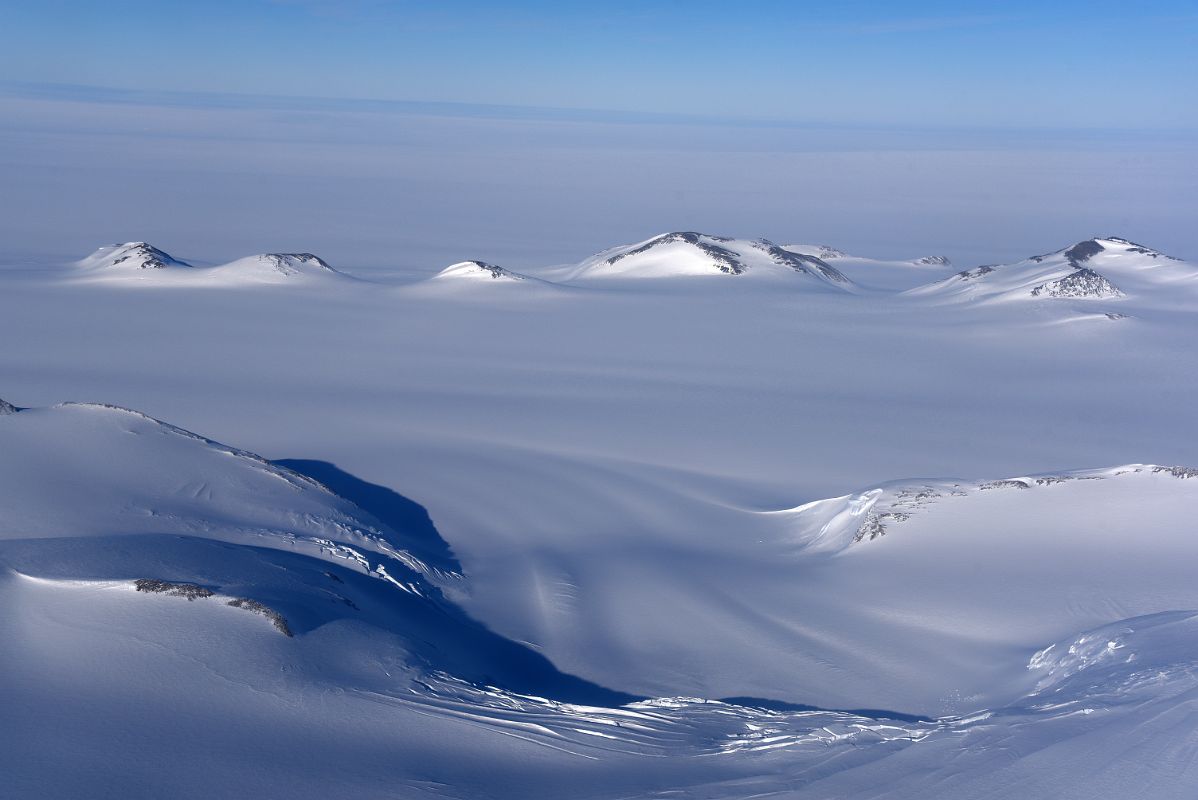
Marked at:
<point>380,133</point>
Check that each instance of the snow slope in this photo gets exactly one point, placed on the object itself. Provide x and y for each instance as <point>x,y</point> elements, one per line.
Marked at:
<point>706,498</point>
<point>129,474</point>
<point>938,616</point>
<point>172,600</point>
<point>100,493</point>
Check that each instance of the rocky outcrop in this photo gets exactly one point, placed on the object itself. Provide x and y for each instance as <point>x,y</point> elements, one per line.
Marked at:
<point>1084,282</point>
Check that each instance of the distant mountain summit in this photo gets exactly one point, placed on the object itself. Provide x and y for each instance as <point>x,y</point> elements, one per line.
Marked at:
<point>131,257</point>
<point>1084,251</point>
<point>825,252</point>
<point>294,263</point>
<point>478,271</point>
<point>146,265</point>
<point>1108,268</point>
<point>692,254</point>
<point>271,267</point>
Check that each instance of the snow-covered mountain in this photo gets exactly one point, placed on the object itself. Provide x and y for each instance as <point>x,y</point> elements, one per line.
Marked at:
<point>274,268</point>
<point>478,271</point>
<point>145,265</point>
<point>689,254</point>
<point>1106,270</point>
<point>129,259</point>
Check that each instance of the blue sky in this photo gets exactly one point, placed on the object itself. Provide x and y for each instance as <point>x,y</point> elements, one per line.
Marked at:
<point>388,133</point>
<point>928,62</point>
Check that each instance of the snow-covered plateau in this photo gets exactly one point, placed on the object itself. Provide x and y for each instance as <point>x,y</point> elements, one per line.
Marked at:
<point>698,516</point>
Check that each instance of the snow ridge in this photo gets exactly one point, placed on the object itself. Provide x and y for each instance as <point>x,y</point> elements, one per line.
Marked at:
<point>897,503</point>
<point>800,262</point>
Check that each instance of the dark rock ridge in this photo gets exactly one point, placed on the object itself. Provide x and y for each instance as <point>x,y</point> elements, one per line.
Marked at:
<point>1077,254</point>
<point>276,619</point>
<point>1084,282</point>
<point>144,256</point>
<point>193,591</point>
<point>934,261</point>
<point>906,502</point>
<point>723,259</point>
<point>1083,251</point>
<point>188,590</point>
<point>1177,472</point>
<point>6,407</point>
<point>975,273</point>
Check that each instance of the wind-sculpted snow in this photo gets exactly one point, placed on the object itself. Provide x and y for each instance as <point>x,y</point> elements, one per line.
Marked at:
<point>135,475</point>
<point>1110,709</point>
<point>822,604</point>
